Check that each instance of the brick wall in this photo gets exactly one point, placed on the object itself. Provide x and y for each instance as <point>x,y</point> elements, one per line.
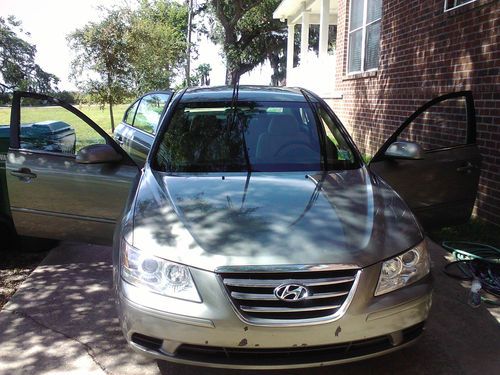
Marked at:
<point>426,52</point>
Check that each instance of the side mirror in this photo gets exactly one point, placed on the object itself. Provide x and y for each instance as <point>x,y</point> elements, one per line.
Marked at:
<point>94,154</point>
<point>405,150</point>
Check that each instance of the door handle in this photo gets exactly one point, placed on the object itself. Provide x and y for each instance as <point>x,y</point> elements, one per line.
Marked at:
<point>467,168</point>
<point>24,174</point>
<point>119,140</point>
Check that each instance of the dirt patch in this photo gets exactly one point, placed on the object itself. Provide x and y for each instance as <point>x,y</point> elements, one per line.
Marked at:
<point>17,264</point>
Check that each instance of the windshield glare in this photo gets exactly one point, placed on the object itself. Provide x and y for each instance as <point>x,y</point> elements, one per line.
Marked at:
<point>254,136</point>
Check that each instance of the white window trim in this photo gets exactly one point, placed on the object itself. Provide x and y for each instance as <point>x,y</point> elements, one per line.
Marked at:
<point>363,27</point>
<point>456,6</point>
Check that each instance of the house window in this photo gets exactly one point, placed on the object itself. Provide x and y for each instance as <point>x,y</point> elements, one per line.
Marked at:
<point>450,4</point>
<point>364,35</point>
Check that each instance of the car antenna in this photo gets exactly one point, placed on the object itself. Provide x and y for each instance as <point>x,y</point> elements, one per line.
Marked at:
<point>234,104</point>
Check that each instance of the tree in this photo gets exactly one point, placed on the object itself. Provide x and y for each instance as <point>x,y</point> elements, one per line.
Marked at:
<point>130,51</point>
<point>203,72</point>
<point>245,30</point>
<point>101,66</point>
<point>157,40</point>
<point>17,61</point>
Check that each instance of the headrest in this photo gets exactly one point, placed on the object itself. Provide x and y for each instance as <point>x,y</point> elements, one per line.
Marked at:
<point>282,124</point>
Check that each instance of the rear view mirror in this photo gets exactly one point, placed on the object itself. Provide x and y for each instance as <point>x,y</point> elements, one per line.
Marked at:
<point>101,153</point>
<point>405,150</point>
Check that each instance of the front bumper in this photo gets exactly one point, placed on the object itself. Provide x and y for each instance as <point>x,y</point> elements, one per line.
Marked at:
<point>211,333</point>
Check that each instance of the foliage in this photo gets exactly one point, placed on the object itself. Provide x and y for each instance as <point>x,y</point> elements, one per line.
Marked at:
<point>130,51</point>
<point>69,97</point>
<point>248,34</point>
<point>5,98</point>
<point>157,40</point>
<point>101,49</point>
<point>18,69</point>
<point>201,77</point>
<point>203,74</point>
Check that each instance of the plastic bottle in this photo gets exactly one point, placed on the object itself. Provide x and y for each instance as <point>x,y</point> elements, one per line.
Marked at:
<point>474,298</point>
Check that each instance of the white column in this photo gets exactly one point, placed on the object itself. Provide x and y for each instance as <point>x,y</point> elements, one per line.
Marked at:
<point>304,36</point>
<point>324,15</point>
<point>289,50</point>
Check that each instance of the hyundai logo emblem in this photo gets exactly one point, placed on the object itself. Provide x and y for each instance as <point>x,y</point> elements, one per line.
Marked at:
<point>291,292</point>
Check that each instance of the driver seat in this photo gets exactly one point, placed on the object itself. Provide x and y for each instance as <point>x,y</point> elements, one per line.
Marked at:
<point>282,130</point>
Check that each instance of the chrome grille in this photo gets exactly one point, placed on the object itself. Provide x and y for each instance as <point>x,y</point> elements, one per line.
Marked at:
<point>252,292</point>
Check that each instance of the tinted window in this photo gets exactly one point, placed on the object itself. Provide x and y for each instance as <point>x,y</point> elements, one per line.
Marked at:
<point>149,112</point>
<point>265,136</point>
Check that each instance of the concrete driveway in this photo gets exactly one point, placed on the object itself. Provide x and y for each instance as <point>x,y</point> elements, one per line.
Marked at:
<point>63,321</point>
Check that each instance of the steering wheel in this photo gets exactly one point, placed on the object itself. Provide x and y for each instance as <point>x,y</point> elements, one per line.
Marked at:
<point>287,145</point>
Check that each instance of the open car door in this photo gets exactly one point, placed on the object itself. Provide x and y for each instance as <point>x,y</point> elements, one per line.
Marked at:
<point>433,162</point>
<point>66,177</point>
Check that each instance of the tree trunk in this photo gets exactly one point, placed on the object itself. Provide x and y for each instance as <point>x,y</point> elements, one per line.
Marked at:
<point>110,102</point>
<point>229,76</point>
<point>111,116</point>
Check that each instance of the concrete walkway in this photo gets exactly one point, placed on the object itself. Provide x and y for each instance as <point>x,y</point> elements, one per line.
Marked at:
<point>63,321</point>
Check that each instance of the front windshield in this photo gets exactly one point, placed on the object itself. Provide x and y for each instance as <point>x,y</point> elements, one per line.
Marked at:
<point>256,136</point>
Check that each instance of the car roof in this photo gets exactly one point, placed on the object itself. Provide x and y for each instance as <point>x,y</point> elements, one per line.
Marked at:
<point>245,93</point>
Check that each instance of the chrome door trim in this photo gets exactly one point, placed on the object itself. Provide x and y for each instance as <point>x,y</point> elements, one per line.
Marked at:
<point>66,216</point>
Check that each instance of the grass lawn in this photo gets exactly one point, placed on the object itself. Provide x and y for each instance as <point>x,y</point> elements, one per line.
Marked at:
<point>85,134</point>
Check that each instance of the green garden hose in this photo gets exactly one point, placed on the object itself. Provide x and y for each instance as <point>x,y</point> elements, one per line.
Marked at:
<point>475,261</point>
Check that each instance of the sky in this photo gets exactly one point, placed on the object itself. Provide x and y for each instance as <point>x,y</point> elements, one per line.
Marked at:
<point>50,21</point>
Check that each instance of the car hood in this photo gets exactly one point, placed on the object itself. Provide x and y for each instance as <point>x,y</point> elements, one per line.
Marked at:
<point>210,220</point>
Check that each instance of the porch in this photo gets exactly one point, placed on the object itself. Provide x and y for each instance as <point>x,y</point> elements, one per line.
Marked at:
<point>316,66</point>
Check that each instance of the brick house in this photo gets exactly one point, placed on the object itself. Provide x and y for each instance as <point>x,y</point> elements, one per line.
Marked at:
<point>391,56</point>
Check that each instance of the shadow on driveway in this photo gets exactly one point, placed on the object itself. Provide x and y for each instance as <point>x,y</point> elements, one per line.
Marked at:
<point>63,320</point>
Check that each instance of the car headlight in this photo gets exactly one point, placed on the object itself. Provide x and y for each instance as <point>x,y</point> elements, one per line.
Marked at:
<point>404,269</point>
<point>157,275</point>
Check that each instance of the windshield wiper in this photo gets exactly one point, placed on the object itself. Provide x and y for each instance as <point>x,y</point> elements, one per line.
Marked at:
<point>313,198</point>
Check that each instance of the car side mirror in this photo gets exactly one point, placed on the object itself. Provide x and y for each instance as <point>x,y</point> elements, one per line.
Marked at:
<point>405,150</point>
<point>94,154</point>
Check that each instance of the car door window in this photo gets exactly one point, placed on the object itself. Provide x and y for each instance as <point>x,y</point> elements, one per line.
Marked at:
<point>440,184</point>
<point>52,193</point>
<point>334,140</point>
<point>130,114</point>
<point>149,112</point>
<point>442,125</point>
<point>51,128</point>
